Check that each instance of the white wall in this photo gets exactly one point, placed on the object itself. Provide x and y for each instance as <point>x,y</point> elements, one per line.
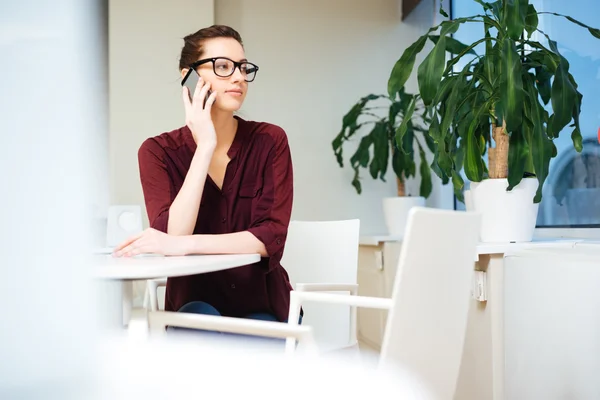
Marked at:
<point>316,59</point>
<point>145,40</point>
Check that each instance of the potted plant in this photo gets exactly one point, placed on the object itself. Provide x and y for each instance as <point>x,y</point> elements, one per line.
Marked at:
<point>510,102</point>
<point>377,147</point>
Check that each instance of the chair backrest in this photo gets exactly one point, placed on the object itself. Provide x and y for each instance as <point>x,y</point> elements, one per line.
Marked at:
<point>324,252</point>
<point>426,325</point>
<point>122,222</point>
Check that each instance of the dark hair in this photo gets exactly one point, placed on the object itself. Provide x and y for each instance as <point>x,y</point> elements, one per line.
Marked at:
<point>193,43</point>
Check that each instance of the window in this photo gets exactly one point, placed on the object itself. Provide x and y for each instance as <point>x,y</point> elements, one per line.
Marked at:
<point>571,195</point>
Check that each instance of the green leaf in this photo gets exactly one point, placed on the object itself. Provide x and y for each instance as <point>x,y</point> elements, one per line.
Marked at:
<point>444,159</point>
<point>473,161</point>
<point>429,141</point>
<point>395,108</point>
<point>450,65</point>
<point>458,183</point>
<point>438,171</point>
<point>564,94</point>
<point>490,56</point>
<point>459,156</point>
<point>457,89</point>
<point>577,139</point>
<point>531,20</point>
<point>430,71</point>
<point>547,57</point>
<point>451,27</point>
<point>594,31</point>
<point>576,135</point>
<point>528,121</point>
<point>408,139</point>
<point>356,182</point>
<point>404,66</point>
<point>401,131</point>
<point>426,185</point>
<point>349,120</point>
<point>446,88</point>
<point>518,152</point>
<point>401,163</point>
<point>486,6</point>
<point>511,86</point>
<point>443,12</point>
<point>542,146</point>
<point>361,156</point>
<point>381,151</point>
<point>543,83</point>
<point>453,46</point>
<point>482,144</point>
<point>434,129</point>
<point>516,11</point>
<point>337,148</point>
<point>350,126</point>
<point>497,9</point>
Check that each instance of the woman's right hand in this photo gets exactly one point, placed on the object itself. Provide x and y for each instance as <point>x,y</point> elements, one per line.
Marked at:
<point>197,114</point>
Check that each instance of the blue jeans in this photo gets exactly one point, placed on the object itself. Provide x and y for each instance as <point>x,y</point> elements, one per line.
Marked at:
<point>200,307</point>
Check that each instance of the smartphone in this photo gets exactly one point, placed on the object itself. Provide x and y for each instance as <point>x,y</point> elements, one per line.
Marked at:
<point>190,80</point>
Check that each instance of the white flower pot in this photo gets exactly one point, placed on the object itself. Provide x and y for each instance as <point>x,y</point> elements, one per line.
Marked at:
<point>506,216</point>
<point>395,211</point>
<point>468,200</point>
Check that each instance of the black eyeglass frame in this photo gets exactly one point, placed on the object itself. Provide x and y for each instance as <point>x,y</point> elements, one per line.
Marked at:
<point>236,64</point>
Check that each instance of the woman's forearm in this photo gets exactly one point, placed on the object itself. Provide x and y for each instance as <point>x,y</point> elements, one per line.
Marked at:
<point>183,212</point>
<point>227,243</point>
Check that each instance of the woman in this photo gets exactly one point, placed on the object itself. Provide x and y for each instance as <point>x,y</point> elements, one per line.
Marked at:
<point>220,184</point>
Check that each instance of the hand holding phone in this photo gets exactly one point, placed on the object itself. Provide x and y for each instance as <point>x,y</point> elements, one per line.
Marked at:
<point>198,118</point>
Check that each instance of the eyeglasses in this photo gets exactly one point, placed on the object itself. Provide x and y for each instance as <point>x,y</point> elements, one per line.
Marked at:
<point>225,67</point>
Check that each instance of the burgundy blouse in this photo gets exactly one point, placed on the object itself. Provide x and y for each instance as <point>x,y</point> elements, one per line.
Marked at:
<point>256,197</point>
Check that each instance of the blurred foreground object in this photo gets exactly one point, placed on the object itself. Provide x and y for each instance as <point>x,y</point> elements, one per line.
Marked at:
<point>193,369</point>
<point>53,121</point>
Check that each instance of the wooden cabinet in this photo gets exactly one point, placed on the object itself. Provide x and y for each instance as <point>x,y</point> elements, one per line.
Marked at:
<point>377,262</point>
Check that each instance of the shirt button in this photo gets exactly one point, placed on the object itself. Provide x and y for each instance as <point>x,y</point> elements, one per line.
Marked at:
<point>278,241</point>
<point>223,219</point>
<point>233,286</point>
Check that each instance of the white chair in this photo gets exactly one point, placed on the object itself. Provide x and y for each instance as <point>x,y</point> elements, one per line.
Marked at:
<point>428,310</point>
<point>122,222</point>
<point>153,301</point>
<point>322,256</point>
<point>319,256</point>
<point>298,334</point>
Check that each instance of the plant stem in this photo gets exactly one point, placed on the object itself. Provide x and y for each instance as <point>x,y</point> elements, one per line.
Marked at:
<point>401,189</point>
<point>498,156</point>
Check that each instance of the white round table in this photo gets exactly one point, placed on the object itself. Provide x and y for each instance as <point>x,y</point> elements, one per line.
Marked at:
<point>114,276</point>
<point>153,266</point>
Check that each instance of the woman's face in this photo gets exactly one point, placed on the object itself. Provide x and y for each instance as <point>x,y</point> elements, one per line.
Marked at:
<point>231,90</point>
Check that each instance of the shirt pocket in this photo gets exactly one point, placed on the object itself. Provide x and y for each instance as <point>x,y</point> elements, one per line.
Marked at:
<point>250,190</point>
<point>247,205</point>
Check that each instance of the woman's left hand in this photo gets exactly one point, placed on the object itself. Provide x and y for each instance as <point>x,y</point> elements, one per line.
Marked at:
<point>152,241</point>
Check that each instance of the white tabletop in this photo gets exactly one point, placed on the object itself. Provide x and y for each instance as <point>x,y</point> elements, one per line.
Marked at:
<point>505,248</point>
<point>375,240</point>
<point>152,266</point>
<point>489,248</point>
